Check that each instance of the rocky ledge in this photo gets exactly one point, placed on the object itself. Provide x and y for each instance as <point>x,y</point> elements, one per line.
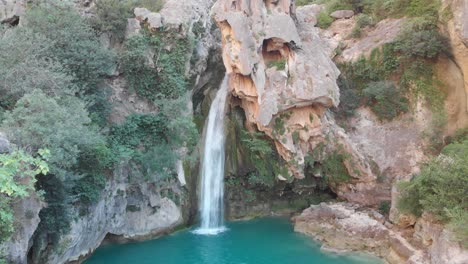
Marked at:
<point>345,226</point>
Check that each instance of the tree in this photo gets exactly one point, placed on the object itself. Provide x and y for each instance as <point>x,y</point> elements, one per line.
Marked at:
<point>61,125</point>
<point>25,67</point>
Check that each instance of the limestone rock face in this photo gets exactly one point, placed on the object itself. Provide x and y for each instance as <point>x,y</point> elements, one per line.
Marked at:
<point>274,69</point>
<point>281,71</point>
<point>177,14</point>
<point>439,242</point>
<point>10,10</point>
<point>26,213</point>
<point>4,144</point>
<point>340,14</point>
<point>154,20</point>
<point>385,31</point>
<point>129,211</point>
<point>340,226</point>
<point>456,73</point>
<point>345,226</point>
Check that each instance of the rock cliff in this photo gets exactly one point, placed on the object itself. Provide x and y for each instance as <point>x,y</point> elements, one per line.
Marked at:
<point>130,208</point>
<point>347,227</point>
<point>280,70</point>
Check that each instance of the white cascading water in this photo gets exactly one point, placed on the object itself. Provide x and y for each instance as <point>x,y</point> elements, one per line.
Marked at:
<point>212,171</point>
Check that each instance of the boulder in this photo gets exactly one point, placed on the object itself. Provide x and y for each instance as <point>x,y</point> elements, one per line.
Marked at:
<point>141,13</point>
<point>133,27</point>
<point>4,144</point>
<point>339,14</point>
<point>154,21</point>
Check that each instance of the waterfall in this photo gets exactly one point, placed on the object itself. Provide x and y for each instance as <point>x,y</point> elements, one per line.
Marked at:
<point>212,170</point>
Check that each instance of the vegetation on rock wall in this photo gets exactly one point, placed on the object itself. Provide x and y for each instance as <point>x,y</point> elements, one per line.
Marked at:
<point>154,65</point>
<point>440,189</point>
<point>403,68</point>
<point>53,95</point>
<point>17,177</point>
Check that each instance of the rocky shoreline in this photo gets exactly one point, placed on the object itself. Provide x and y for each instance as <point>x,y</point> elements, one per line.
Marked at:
<point>350,227</point>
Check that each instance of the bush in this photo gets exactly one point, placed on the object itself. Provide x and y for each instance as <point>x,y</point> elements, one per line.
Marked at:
<point>350,99</point>
<point>111,17</point>
<point>324,20</point>
<point>152,69</point>
<point>384,207</point>
<point>88,188</point>
<point>24,67</point>
<point>152,5</point>
<point>39,121</point>
<point>385,100</point>
<point>426,44</point>
<point>17,178</point>
<point>304,2</point>
<point>74,44</point>
<point>440,189</point>
<point>55,218</point>
<point>333,168</point>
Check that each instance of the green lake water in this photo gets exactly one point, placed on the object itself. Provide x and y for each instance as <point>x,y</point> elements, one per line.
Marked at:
<point>260,241</point>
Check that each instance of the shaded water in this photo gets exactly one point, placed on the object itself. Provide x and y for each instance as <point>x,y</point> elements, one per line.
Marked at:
<point>261,241</point>
<point>212,172</point>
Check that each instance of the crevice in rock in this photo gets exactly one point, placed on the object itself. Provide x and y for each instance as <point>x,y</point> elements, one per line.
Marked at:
<point>12,21</point>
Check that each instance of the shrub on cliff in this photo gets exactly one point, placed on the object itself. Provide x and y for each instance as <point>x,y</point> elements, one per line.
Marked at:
<point>111,17</point>
<point>154,65</point>
<point>24,66</point>
<point>17,177</point>
<point>385,100</point>
<point>440,189</point>
<point>62,126</point>
<point>75,46</point>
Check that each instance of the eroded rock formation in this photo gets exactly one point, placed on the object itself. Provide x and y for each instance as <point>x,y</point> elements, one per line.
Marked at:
<point>348,227</point>
<point>281,71</point>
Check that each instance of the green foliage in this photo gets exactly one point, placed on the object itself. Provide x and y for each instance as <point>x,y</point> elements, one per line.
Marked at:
<point>384,207</point>
<point>159,160</point>
<point>6,219</point>
<point>278,127</point>
<point>260,153</point>
<point>17,172</point>
<point>279,64</point>
<point>73,44</point>
<point>111,16</point>
<point>152,69</point>
<point>136,60</point>
<point>138,131</point>
<point>334,169</point>
<point>150,140</point>
<point>324,20</point>
<point>23,67</point>
<point>362,21</point>
<point>440,189</point>
<point>17,178</point>
<point>152,5</point>
<point>88,189</point>
<point>55,218</point>
<point>385,100</point>
<point>304,2</point>
<point>350,99</point>
<point>420,44</point>
<point>39,121</point>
